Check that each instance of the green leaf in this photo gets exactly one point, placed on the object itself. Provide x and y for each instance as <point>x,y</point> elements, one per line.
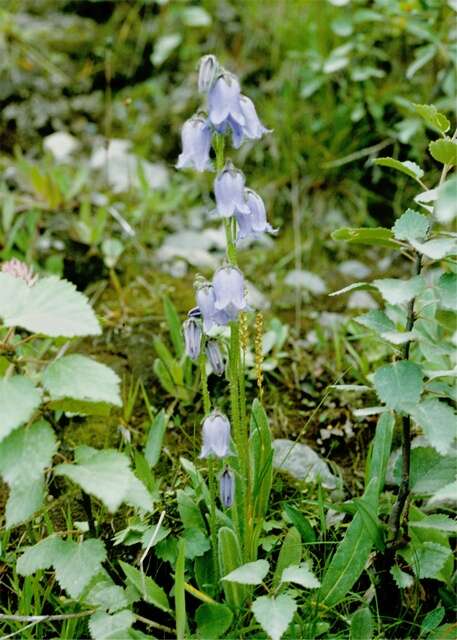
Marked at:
<point>81,378</point>
<point>213,620</point>
<point>378,236</point>
<point>432,620</point>
<point>149,590</point>
<point>303,526</point>
<point>362,626</point>
<point>439,423</point>
<point>249,573</point>
<point>396,291</point>
<point>51,306</point>
<point>380,452</point>
<point>302,575</point>
<point>402,579</point>
<point>290,554</point>
<point>24,455</point>
<point>435,521</point>
<point>154,441</point>
<point>437,248</point>
<point>19,399</point>
<point>189,511</point>
<point>432,117</point>
<point>107,475</point>
<point>106,595</point>
<point>430,471</point>
<point>446,204</point>
<point>75,563</point>
<point>399,385</point>
<point>411,226</point>
<point>376,320</point>
<point>174,326</point>
<point>230,558</point>
<point>444,151</point>
<point>447,291</point>
<point>410,169</point>
<point>180,596</point>
<point>104,626</point>
<point>428,559</point>
<point>261,455</point>
<point>164,47</point>
<point>197,543</point>
<point>274,614</point>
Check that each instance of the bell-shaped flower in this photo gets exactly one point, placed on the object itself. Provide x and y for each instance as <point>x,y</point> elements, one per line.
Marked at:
<point>196,144</point>
<point>206,299</point>
<point>229,191</point>
<point>228,283</point>
<point>255,222</point>
<point>192,337</point>
<point>227,487</point>
<point>214,355</point>
<point>224,102</point>
<point>207,72</point>
<point>252,127</point>
<point>18,269</point>
<point>215,435</point>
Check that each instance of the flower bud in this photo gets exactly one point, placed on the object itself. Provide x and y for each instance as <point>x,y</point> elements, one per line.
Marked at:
<point>18,269</point>
<point>207,72</point>
<point>192,337</point>
<point>224,102</point>
<point>216,435</point>
<point>214,355</point>
<point>227,487</point>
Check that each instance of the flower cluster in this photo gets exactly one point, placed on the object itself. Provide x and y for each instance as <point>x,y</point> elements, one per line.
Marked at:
<point>18,269</point>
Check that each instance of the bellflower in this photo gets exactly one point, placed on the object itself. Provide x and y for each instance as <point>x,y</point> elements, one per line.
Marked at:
<point>227,487</point>
<point>229,191</point>
<point>256,221</point>
<point>216,435</point>
<point>192,337</point>
<point>224,102</point>
<point>207,72</point>
<point>228,283</point>
<point>196,144</point>
<point>214,355</point>
<point>206,299</point>
<point>19,269</point>
<point>252,128</point>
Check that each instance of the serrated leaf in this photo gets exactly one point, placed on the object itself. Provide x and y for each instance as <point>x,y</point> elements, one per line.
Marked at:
<point>197,543</point>
<point>274,614</point>
<point>402,579</point>
<point>399,385</point>
<point>430,471</point>
<point>104,626</point>
<point>447,290</point>
<point>434,118</point>
<point>437,248</point>
<point>362,626</point>
<point>290,553</point>
<point>107,475</point>
<point>106,595</point>
<point>302,575</point>
<point>444,151</point>
<point>376,320</point>
<point>51,306</point>
<point>213,620</point>
<point>75,563</point>
<point>18,401</point>
<point>24,455</point>
<point>435,521</point>
<point>378,236</point>
<point>149,590</point>
<point>439,423</point>
<point>411,226</point>
<point>428,560</point>
<point>249,573</point>
<point>410,169</point>
<point>396,291</point>
<point>446,204</point>
<point>398,337</point>
<point>81,378</point>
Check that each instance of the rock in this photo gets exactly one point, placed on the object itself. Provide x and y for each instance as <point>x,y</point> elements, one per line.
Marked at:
<point>354,269</point>
<point>302,463</point>
<point>306,280</point>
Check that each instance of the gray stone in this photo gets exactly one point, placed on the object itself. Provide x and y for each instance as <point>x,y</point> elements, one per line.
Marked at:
<point>302,463</point>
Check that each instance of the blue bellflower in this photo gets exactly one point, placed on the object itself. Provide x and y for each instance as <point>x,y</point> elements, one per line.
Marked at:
<point>227,487</point>
<point>255,222</point>
<point>224,105</point>
<point>196,144</point>
<point>215,435</point>
<point>207,72</point>
<point>229,191</point>
<point>192,337</point>
<point>206,301</point>
<point>214,355</point>
<point>228,283</point>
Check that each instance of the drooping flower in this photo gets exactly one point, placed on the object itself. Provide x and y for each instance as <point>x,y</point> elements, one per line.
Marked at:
<point>227,487</point>
<point>192,337</point>
<point>19,269</point>
<point>228,283</point>
<point>206,299</point>
<point>207,72</point>
<point>253,128</point>
<point>196,144</point>
<point>214,355</point>
<point>229,191</point>
<point>224,102</point>
<point>216,435</point>
<point>255,221</point>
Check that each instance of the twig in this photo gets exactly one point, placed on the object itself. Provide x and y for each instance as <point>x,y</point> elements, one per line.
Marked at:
<point>153,624</point>
<point>87,504</point>
<point>49,618</point>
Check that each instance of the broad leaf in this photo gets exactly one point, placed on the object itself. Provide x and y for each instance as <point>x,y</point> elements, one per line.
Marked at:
<point>411,226</point>
<point>149,590</point>
<point>435,521</point>
<point>411,169</point>
<point>274,614</point>
<point>378,236</point>
<point>155,438</point>
<point>430,471</point>
<point>428,559</point>
<point>437,248</point>
<point>81,378</point>
<point>402,579</point>
<point>396,291</point>
<point>104,626</point>
<point>362,626</point>
<point>302,575</point>
<point>439,423</point>
<point>106,595</point>
<point>380,452</point>
<point>249,573</point>
<point>24,455</point>
<point>51,306</point>
<point>447,290</point>
<point>107,475</point>
<point>213,620</point>
<point>444,151</point>
<point>376,320</point>
<point>432,117</point>
<point>399,385</point>
<point>446,205</point>
<point>290,554</point>
<point>18,401</point>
